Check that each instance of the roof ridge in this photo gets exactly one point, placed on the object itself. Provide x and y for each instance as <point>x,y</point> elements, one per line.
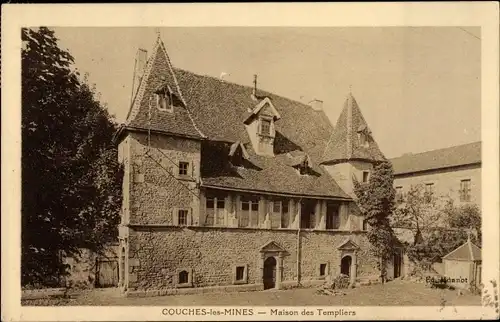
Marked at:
<point>244,86</point>
<point>410,154</point>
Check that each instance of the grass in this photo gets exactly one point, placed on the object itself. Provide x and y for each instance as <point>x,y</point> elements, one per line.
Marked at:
<point>397,293</point>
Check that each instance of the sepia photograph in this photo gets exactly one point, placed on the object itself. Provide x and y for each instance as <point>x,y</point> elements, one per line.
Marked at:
<point>279,172</point>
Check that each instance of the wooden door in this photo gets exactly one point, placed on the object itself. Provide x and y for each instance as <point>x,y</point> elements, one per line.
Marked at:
<point>107,273</point>
<point>269,273</point>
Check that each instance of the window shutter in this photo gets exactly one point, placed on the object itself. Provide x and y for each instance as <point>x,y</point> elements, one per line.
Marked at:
<point>175,216</point>
<point>190,217</point>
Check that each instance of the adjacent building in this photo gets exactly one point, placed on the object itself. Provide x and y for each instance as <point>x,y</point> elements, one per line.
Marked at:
<point>453,172</point>
<point>229,186</point>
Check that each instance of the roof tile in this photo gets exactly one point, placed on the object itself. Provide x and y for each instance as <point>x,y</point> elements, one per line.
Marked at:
<point>345,144</point>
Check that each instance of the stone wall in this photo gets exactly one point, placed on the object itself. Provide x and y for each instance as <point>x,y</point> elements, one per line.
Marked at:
<point>83,268</point>
<point>211,254</point>
<point>157,190</point>
<point>320,247</point>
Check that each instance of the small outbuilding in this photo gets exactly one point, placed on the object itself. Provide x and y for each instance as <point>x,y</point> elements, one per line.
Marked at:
<point>462,267</point>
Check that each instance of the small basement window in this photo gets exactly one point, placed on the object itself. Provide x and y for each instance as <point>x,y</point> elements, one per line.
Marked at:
<point>183,168</point>
<point>185,278</point>
<point>240,274</point>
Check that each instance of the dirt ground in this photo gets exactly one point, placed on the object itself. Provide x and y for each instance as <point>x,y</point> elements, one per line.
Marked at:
<point>399,293</point>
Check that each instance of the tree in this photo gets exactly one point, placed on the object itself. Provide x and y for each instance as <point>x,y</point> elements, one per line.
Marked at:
<point>438,225</point>
<point>71,180</point>
<point>466,217</point>
<point>375,200</point>
<point>418,211</point>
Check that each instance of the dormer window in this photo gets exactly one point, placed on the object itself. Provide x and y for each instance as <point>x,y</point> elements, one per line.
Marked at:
<point>362,139</point>
<point>301,162</point>
<point>164,99</point>
<point>265,127</point>
<point>260,125</point>
<point>304,168</point>
<point>363,133</point>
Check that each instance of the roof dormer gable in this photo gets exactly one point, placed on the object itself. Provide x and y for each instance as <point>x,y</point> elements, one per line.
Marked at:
<point>264,108</point>
<point>260,127</point>
<point>301,162</point>
<point>238,154</point>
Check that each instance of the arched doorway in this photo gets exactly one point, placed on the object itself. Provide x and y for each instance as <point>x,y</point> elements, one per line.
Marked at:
<point>269,273</point>
<point>345,265</point>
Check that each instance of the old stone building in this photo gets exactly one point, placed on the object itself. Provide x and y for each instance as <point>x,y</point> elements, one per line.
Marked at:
<point>229,186</point>
<point>450,172</point>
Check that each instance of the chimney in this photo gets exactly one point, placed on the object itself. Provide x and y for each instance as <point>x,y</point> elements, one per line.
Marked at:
<point>254,90</point>
<point>140,65</point>
<point>316,104</point>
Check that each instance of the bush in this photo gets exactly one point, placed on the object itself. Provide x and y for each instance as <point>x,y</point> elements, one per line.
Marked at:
<point>340,282</point>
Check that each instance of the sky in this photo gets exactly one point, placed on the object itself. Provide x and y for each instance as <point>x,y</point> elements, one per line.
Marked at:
<point>418,88</point>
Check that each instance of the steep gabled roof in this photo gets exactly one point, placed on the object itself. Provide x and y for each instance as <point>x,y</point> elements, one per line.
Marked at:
<point>143,113</point>
<point>455,156</point>
<point>467,252</point>
<point>344,142</point>
<point>216,110</point>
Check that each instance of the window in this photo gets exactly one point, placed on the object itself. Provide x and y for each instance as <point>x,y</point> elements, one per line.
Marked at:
<point>164,101</point>
<point>249,215</point>
<point>307,214</point>
<point>183,217</point>
<point>285,216</point>
<point>363,139</point>
<point>240,273</point>
<point>215,209</point>
<point>304,168</point>
<point>332,216</point>
<point>365,225</point>
<point>429,192</point>
<point>366,175</point>
<point>280,216</point>
<point>183,277</point>
<point>183,168</point>
<point>265,127</point>
<point>399,194</point>
<point>322,269</point>
<point>277,206</point>
<point>465,190</point>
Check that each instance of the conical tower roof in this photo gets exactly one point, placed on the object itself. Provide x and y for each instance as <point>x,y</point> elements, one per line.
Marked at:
<point>346,142</point>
